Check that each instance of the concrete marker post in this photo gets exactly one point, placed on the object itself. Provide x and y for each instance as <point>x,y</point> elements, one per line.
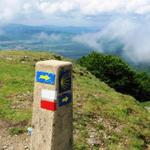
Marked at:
<point>52,106</point>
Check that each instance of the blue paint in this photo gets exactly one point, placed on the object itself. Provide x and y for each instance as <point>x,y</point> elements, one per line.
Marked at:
<point>45,77</point>
<point>64,99</point>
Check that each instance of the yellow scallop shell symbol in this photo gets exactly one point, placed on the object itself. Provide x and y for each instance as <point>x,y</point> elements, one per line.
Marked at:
<point>65,82</point>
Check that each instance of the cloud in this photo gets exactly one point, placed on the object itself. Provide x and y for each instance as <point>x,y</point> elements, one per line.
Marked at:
<point>46,37</point>
<point>138,6</point>
<point>94,7</point>
<point>90,39</point>
<point>118,28</point>
<point>133,35</point>
<point>47,7</point>
<point>15,10</point>
<point>8,9</point>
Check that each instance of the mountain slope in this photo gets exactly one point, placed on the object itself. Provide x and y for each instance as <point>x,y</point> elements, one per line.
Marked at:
<point>103,118</point>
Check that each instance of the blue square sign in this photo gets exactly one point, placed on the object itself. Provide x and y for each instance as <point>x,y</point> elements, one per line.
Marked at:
<point>64,99</point>
<point>45,77</point>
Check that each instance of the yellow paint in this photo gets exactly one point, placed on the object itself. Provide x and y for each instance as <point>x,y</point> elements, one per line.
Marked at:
<point>46,77</point>
<point>65,99</point>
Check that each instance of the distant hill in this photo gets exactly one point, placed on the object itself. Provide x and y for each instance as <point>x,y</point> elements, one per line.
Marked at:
<point>67,29</point>
<point>142,66</point>
<point>103,118</point>
<point>61,40</point>
<point>22,32</point>
<point>45,38</point>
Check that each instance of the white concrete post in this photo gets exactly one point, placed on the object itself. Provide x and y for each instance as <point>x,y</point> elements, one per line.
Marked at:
<point>52,107</point>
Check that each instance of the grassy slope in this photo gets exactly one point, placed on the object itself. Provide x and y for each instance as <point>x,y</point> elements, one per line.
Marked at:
<point>102,117</point>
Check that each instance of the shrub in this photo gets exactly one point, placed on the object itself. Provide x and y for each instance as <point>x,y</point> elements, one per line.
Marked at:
<point>118,75</point>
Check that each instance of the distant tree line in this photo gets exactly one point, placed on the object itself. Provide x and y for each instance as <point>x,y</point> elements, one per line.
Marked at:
<point>142,66</point>
<point>118,75</point>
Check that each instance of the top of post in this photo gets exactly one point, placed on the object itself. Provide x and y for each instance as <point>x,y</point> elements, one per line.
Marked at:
<point>53,63</point>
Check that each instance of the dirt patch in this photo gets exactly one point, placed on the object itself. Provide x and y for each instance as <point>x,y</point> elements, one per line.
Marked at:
<point>15,142</point>
<point>21,101</point>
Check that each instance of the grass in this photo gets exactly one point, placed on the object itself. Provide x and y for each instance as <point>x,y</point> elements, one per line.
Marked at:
<point>103,118</point>
<point>16,131</point>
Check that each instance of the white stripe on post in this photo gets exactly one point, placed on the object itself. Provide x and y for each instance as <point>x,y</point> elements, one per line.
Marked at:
<point>50,95</point>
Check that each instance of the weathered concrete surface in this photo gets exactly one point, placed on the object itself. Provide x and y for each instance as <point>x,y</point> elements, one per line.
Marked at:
<point>52,130</point>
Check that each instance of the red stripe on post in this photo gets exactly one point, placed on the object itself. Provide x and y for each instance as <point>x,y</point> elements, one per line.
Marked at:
<point>48,105</point>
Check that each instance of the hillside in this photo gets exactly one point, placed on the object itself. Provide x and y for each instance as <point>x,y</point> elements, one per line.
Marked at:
<point>142,66</point>
<point>103,118</point>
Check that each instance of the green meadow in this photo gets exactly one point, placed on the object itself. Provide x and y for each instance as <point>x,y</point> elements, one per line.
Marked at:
<point>103,118</point>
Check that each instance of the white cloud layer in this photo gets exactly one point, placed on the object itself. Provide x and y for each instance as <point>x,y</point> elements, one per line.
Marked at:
<point>15,9</point>
<point>134,36</point>
<point>45,37</point>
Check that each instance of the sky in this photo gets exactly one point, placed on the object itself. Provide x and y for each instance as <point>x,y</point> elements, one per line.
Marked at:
<point>70,12</point>
<point>126,20</point>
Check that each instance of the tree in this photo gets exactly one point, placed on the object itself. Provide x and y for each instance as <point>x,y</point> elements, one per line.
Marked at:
<point>117,74</point>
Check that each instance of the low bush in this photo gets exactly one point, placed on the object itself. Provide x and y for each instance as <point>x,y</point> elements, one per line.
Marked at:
<point>118,75</point>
